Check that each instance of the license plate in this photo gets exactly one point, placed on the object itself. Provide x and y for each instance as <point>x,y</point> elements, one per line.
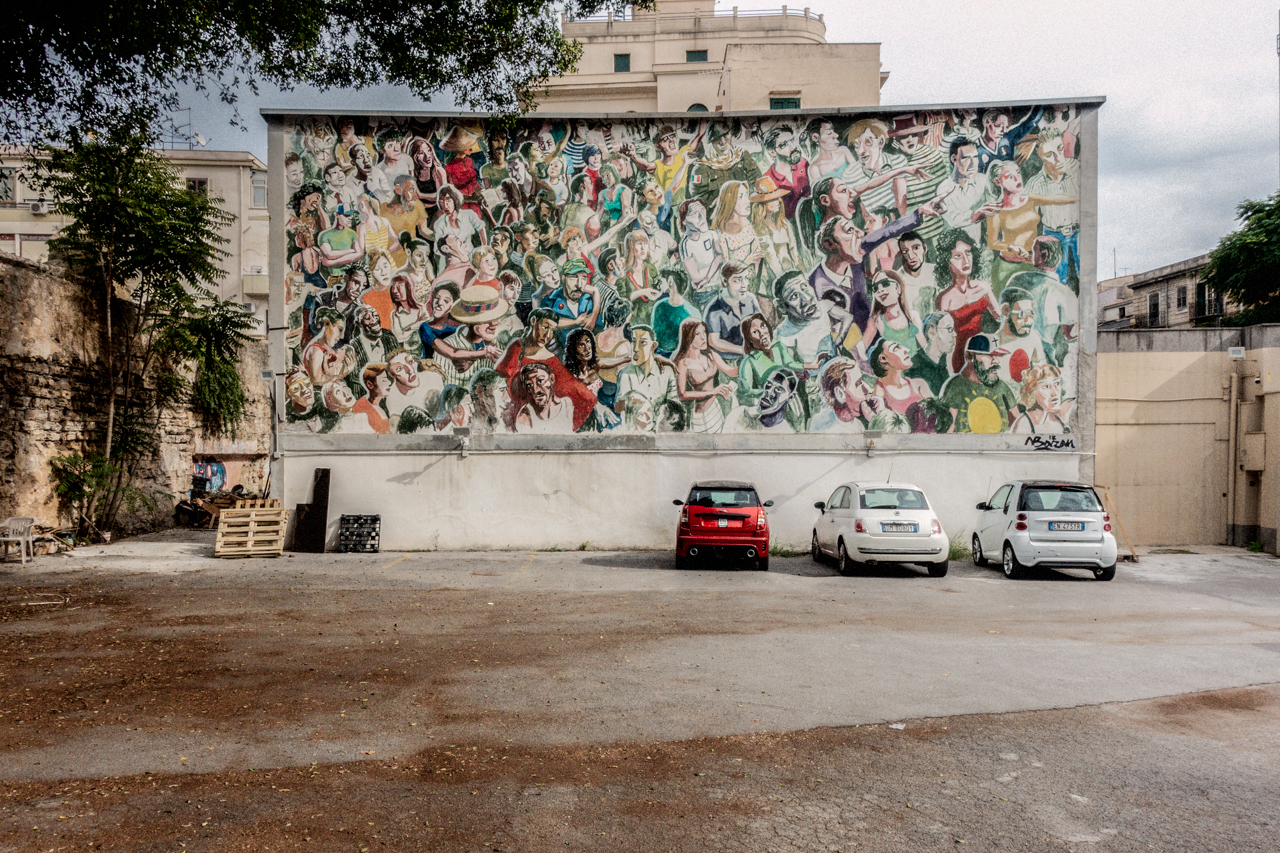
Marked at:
<point>1066,525</point>
<point>897,527</point>
<point>724,522</point>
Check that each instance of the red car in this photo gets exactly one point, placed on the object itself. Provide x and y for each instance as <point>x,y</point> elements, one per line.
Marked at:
<point>723,519</point>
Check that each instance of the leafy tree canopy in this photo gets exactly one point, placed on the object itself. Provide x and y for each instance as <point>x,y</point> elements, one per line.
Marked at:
<point>62,65</point>
<point>1246,264</point>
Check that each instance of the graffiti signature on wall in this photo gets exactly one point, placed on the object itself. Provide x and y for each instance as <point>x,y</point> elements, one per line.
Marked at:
<point>912,273</point>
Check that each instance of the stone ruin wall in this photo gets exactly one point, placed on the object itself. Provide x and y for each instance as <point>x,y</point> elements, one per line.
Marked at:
<point>52,403</point>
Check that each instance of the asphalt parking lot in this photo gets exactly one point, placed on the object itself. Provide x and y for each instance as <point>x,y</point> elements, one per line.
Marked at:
<point>643,707</point>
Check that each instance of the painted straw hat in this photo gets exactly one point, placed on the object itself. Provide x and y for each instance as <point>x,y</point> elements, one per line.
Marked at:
<point>460,139</point>
<point>907,126</point>
<point>479,304</point>
<point>767,190</point>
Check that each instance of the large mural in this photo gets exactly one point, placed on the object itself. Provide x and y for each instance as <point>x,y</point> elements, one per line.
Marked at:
<point>912,273</point>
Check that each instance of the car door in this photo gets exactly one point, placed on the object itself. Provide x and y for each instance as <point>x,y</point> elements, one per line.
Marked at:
<point>828,522</point>
<point>994,520</point>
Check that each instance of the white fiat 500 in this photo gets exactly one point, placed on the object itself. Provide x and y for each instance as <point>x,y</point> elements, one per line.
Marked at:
<point>865,523</point>
<point>1045,523</point>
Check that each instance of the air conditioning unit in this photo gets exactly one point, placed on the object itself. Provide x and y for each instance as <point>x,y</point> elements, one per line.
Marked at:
<point>248,307</point>
<point>41,208</point>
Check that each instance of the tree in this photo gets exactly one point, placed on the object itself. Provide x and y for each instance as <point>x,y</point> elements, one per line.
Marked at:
<point>1246,264</point>
<point>62,65</point>
<point>148,249</point>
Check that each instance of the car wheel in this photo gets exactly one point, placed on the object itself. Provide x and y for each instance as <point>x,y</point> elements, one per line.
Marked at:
<point>843,564</point>
<point>1105,573</point>
<point>1012,568</point>
<point>938,570</point>
<point>814,550</point>
<point>978,558</point>
<point>682,563</point>
<point>762,564</point>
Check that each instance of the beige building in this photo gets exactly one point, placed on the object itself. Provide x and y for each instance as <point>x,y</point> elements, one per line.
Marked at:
<point>1182,433</point>
<point>237,177</point>
<point>1169,297</point>
<point>686,56</point>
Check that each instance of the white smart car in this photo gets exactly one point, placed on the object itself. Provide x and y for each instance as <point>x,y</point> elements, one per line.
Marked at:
<point>865,523</point>
<point>1045,523</point>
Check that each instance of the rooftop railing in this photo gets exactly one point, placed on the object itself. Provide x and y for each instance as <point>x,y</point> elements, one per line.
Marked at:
<point>631,15</point>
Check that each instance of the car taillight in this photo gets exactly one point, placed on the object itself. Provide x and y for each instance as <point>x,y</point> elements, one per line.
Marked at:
<point>937,527</point>
<point>1022,516</point>
<point>1021,525</point>
<point>760,521</point>
<point>1106,516</point>
<point>858,526</point>
<point>684,517</point>
<point>1106,527</point>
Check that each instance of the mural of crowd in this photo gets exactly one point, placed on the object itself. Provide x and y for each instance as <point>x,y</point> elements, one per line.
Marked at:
<point>905,273</point>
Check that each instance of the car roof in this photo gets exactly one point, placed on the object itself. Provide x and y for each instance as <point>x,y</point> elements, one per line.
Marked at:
<point>722,484</point>
<point>860,486</point>
<point>1051,483</point>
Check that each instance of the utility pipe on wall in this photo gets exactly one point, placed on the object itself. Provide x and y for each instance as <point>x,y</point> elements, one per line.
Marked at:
<point>1232,419</point>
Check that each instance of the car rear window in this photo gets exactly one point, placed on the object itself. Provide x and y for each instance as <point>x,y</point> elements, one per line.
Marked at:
<point>1058,499</point>
<point>723,497</point>
<point>893,499</point>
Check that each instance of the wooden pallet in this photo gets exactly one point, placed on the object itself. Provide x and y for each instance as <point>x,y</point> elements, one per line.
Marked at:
<point>251,532</point>
<point>257,503</point>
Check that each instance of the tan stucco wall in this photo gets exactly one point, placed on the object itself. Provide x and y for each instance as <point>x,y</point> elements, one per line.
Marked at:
<point>1163,426</point>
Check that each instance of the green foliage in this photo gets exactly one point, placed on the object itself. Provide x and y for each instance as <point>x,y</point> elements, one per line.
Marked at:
<point>1255,547</point>
<point>80,481</point>
<point>959,548</point>
<point>149,250</point>
<point>63,65</point>
<point>1246,264</point>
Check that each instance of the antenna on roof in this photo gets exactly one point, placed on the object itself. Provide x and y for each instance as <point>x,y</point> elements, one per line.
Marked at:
<point>890,477</point>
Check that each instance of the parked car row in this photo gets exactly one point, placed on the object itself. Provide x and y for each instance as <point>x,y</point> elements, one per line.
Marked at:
<point>1032,523</point>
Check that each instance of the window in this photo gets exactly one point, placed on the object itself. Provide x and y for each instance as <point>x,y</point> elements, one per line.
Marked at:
<point>883,498</point>
<point>198,185</point>
<point>695,56</point>
<point>621,63</point>
<point>1123,312</point>
<point>723,497</point>
<point>259,182</point>
<point>784,103</point>
<point>697,108</point>
<point>8,184</point>
<point>1182,297</point>
<point>1153,309</point>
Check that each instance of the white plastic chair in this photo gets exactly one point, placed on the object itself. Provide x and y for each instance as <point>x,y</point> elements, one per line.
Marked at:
<point>18,529</point>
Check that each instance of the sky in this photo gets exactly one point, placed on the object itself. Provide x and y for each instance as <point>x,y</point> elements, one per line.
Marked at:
<point>1189,129</point>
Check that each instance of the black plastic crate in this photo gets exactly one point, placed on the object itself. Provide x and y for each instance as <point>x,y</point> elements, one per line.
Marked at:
<point>359,534</point>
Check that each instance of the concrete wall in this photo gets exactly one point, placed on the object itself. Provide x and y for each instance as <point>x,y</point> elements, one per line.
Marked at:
<point>612,487</point>
<point>1165,445</point>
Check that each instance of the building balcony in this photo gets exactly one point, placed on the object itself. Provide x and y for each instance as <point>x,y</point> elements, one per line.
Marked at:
<point>801,24</point>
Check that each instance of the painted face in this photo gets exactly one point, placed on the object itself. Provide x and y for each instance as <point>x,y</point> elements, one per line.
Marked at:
<point>849,241</point>
<point>573,248</point>
<point>1051,152</point>
<point>323,157</point>
<point>446,203</point>
<point>642,347</point>
<point>644,417</point>
<point>500,242</point>
<point>962,260</point>
<point>1010,179</point>
<point>799,302</point>
<point>593,162</point>
<point>909,144</point>
<point>404,371</point>
<point>652,193</point>
<point>549,275</point>
<point>486,331</point>
<point>342,220</point>
<point>985,367</point>
<point>528,239</point>
<point>382,273</point>
<point>648,221</point>
<point>540,386</point>
<point>667,144</point>
<point>392,149</point>
<point>419,257</point>
<point>293,174</point>
<point>399,291</point>
<point>301,392</point>
<point>722,144</point>
<point>488,266</point>
<point>699,341</point>
<point>742,207</point>
<point>868,147</point>
<point>854,391</point>
<point>1047,393</point>
<point>582,349</point>
<point>573,283</point>
<point>555,169</point>
<point>760,335</point>
<point>545,331</point>
<point>737,284</point>
<point>311,202</point>
<point>966,161</point>
<point>697,216</point>
<point>441,303</point>
<point>360,156</point>
<point>510,290</point>
<point>1022,315</point>
<point>385,383</point>
<point>827,139</point>
<point>356,284</point>
<point>424,156</point>
<point>370,321</point>
<point>608,178</point>
<point>945,331</point>
<point>787,151</point>
<point>340,398</point>
<point>335,177</point>
<point>885,291</point>
<point>410,192</point>
<point>996,126</point>
<point>840,199</point>
<point>501,398</point>
<point>913,254</point>
<point>640,249</point>
<point>896,356</point>
<point>546,141</point>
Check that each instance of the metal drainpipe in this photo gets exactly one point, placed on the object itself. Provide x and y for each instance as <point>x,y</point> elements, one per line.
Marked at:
<point>1232,419</point>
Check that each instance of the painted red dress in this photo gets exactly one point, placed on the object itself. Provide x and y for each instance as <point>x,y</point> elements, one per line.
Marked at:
<point>463,175</point>
<point>567,385</point>
<point>968,321</point>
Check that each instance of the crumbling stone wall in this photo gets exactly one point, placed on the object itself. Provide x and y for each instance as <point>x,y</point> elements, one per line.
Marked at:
<point>52,402</point>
